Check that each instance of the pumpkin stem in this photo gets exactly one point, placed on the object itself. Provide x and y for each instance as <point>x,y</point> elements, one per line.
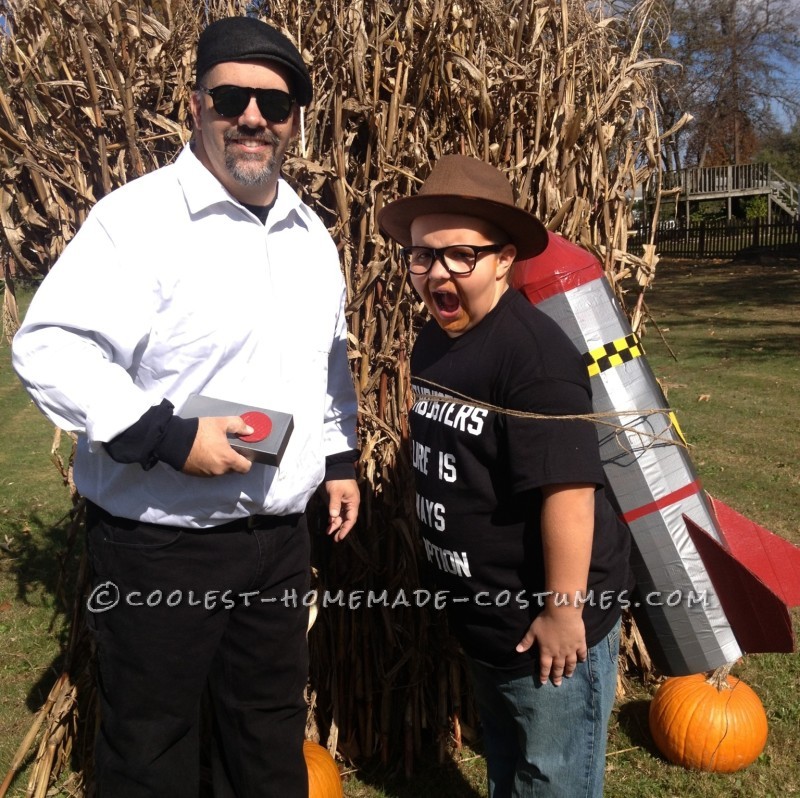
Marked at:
<point>719,677</point>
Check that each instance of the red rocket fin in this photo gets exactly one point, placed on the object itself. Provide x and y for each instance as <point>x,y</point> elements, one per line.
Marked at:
<point>759,618</point>
<point>775,561</point>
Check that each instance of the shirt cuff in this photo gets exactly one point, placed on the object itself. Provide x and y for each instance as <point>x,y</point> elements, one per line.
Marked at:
<point>158,436</point>
<point>341,465</point>
<point>177,441</point>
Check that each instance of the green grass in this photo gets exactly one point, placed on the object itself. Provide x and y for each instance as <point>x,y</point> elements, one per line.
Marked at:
<point>729,365</point>
<point>734,330</point>
<point>34,508</point>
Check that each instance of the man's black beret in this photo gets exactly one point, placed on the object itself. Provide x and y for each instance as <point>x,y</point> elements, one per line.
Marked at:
<point>245,38</point>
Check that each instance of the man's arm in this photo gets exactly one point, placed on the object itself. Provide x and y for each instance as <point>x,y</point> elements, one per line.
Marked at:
<point>196,446</point>
<point>567,534</point>
<point>83,331</point>
<point>340,436</point>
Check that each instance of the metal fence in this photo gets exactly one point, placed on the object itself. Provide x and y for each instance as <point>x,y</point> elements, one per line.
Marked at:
<point>719,239</point>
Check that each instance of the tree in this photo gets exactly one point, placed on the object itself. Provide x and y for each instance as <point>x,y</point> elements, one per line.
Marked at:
<point>781,150</point>
<point>735,60</point>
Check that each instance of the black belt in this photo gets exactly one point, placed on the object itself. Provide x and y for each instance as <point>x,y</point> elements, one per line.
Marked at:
<point>96,513</point>
<point>254,522</point>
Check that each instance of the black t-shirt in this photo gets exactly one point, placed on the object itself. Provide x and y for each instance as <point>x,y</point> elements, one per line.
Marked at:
<point>478,475</point>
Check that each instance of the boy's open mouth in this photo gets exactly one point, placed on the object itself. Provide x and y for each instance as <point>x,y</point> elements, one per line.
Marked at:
<point>446,301</point>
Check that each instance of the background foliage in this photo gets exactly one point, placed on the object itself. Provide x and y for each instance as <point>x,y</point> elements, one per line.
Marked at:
<point>736,71</point>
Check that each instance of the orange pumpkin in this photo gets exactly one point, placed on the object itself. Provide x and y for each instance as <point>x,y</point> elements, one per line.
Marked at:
<point>714,723</point>
<point>324,780</point>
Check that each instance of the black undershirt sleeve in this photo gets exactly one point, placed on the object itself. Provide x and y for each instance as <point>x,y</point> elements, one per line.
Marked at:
<point>158,436</point>
<point>161,436</point>
<point>341,465</point>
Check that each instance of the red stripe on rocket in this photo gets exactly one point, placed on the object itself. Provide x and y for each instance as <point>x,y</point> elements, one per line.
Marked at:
<point>697,587</point>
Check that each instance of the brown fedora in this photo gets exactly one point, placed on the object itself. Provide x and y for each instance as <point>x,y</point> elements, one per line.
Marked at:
<point>464,185</point>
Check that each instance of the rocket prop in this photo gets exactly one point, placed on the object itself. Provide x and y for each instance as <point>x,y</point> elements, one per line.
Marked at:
<point>710,584</point>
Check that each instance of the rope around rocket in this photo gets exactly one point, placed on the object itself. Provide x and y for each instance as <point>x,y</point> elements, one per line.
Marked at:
<point>603,419</point>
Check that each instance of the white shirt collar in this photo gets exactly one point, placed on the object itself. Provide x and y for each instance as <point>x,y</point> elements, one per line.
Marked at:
<point>203,190</point>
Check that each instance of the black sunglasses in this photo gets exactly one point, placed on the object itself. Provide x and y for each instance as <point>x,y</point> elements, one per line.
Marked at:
<point>275,105</point>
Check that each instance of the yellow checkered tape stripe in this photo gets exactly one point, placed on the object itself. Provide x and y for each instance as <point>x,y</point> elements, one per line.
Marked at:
<point>608,356</point>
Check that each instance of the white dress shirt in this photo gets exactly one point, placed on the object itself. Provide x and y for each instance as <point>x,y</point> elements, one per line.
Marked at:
<point>171,287</point>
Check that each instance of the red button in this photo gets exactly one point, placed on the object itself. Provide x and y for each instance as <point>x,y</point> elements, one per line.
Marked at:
<point>261,424</point>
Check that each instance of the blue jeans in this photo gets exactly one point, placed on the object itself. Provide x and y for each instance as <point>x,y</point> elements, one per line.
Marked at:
<point>543,741</point>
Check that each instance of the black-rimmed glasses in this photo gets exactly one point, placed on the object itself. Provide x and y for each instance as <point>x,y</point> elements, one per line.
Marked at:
<point>458,259</point>
<point>275,105</point>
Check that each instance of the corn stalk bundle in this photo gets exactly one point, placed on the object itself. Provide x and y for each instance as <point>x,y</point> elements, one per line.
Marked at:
<point>94,93</point>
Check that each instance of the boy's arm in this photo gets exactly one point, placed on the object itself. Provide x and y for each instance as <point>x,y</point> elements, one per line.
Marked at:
<point>567,532</point>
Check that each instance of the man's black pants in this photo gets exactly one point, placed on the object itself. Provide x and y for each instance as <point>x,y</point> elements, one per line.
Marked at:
<point>176,612</point>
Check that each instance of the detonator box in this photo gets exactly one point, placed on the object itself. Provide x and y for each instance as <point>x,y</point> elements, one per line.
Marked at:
<point>271,428</point>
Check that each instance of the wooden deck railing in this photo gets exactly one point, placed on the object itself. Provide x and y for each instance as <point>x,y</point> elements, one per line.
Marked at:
<point>719,179</point>
<point>730,181</point>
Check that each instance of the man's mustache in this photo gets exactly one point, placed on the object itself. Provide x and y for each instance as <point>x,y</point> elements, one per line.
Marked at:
<point>265,136</point>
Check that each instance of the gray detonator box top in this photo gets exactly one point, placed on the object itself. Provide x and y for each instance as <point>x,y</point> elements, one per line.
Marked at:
<point>268,451</point>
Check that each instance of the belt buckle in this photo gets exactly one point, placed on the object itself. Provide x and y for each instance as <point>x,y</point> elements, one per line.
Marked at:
<point>252,522</point>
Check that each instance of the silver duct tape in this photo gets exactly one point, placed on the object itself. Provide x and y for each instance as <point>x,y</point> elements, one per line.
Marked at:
<point>654,484</point>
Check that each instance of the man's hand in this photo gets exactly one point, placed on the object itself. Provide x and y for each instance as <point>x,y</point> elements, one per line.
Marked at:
<point>343,500</point>
<point>561,638</point>
<point>211,453</point>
